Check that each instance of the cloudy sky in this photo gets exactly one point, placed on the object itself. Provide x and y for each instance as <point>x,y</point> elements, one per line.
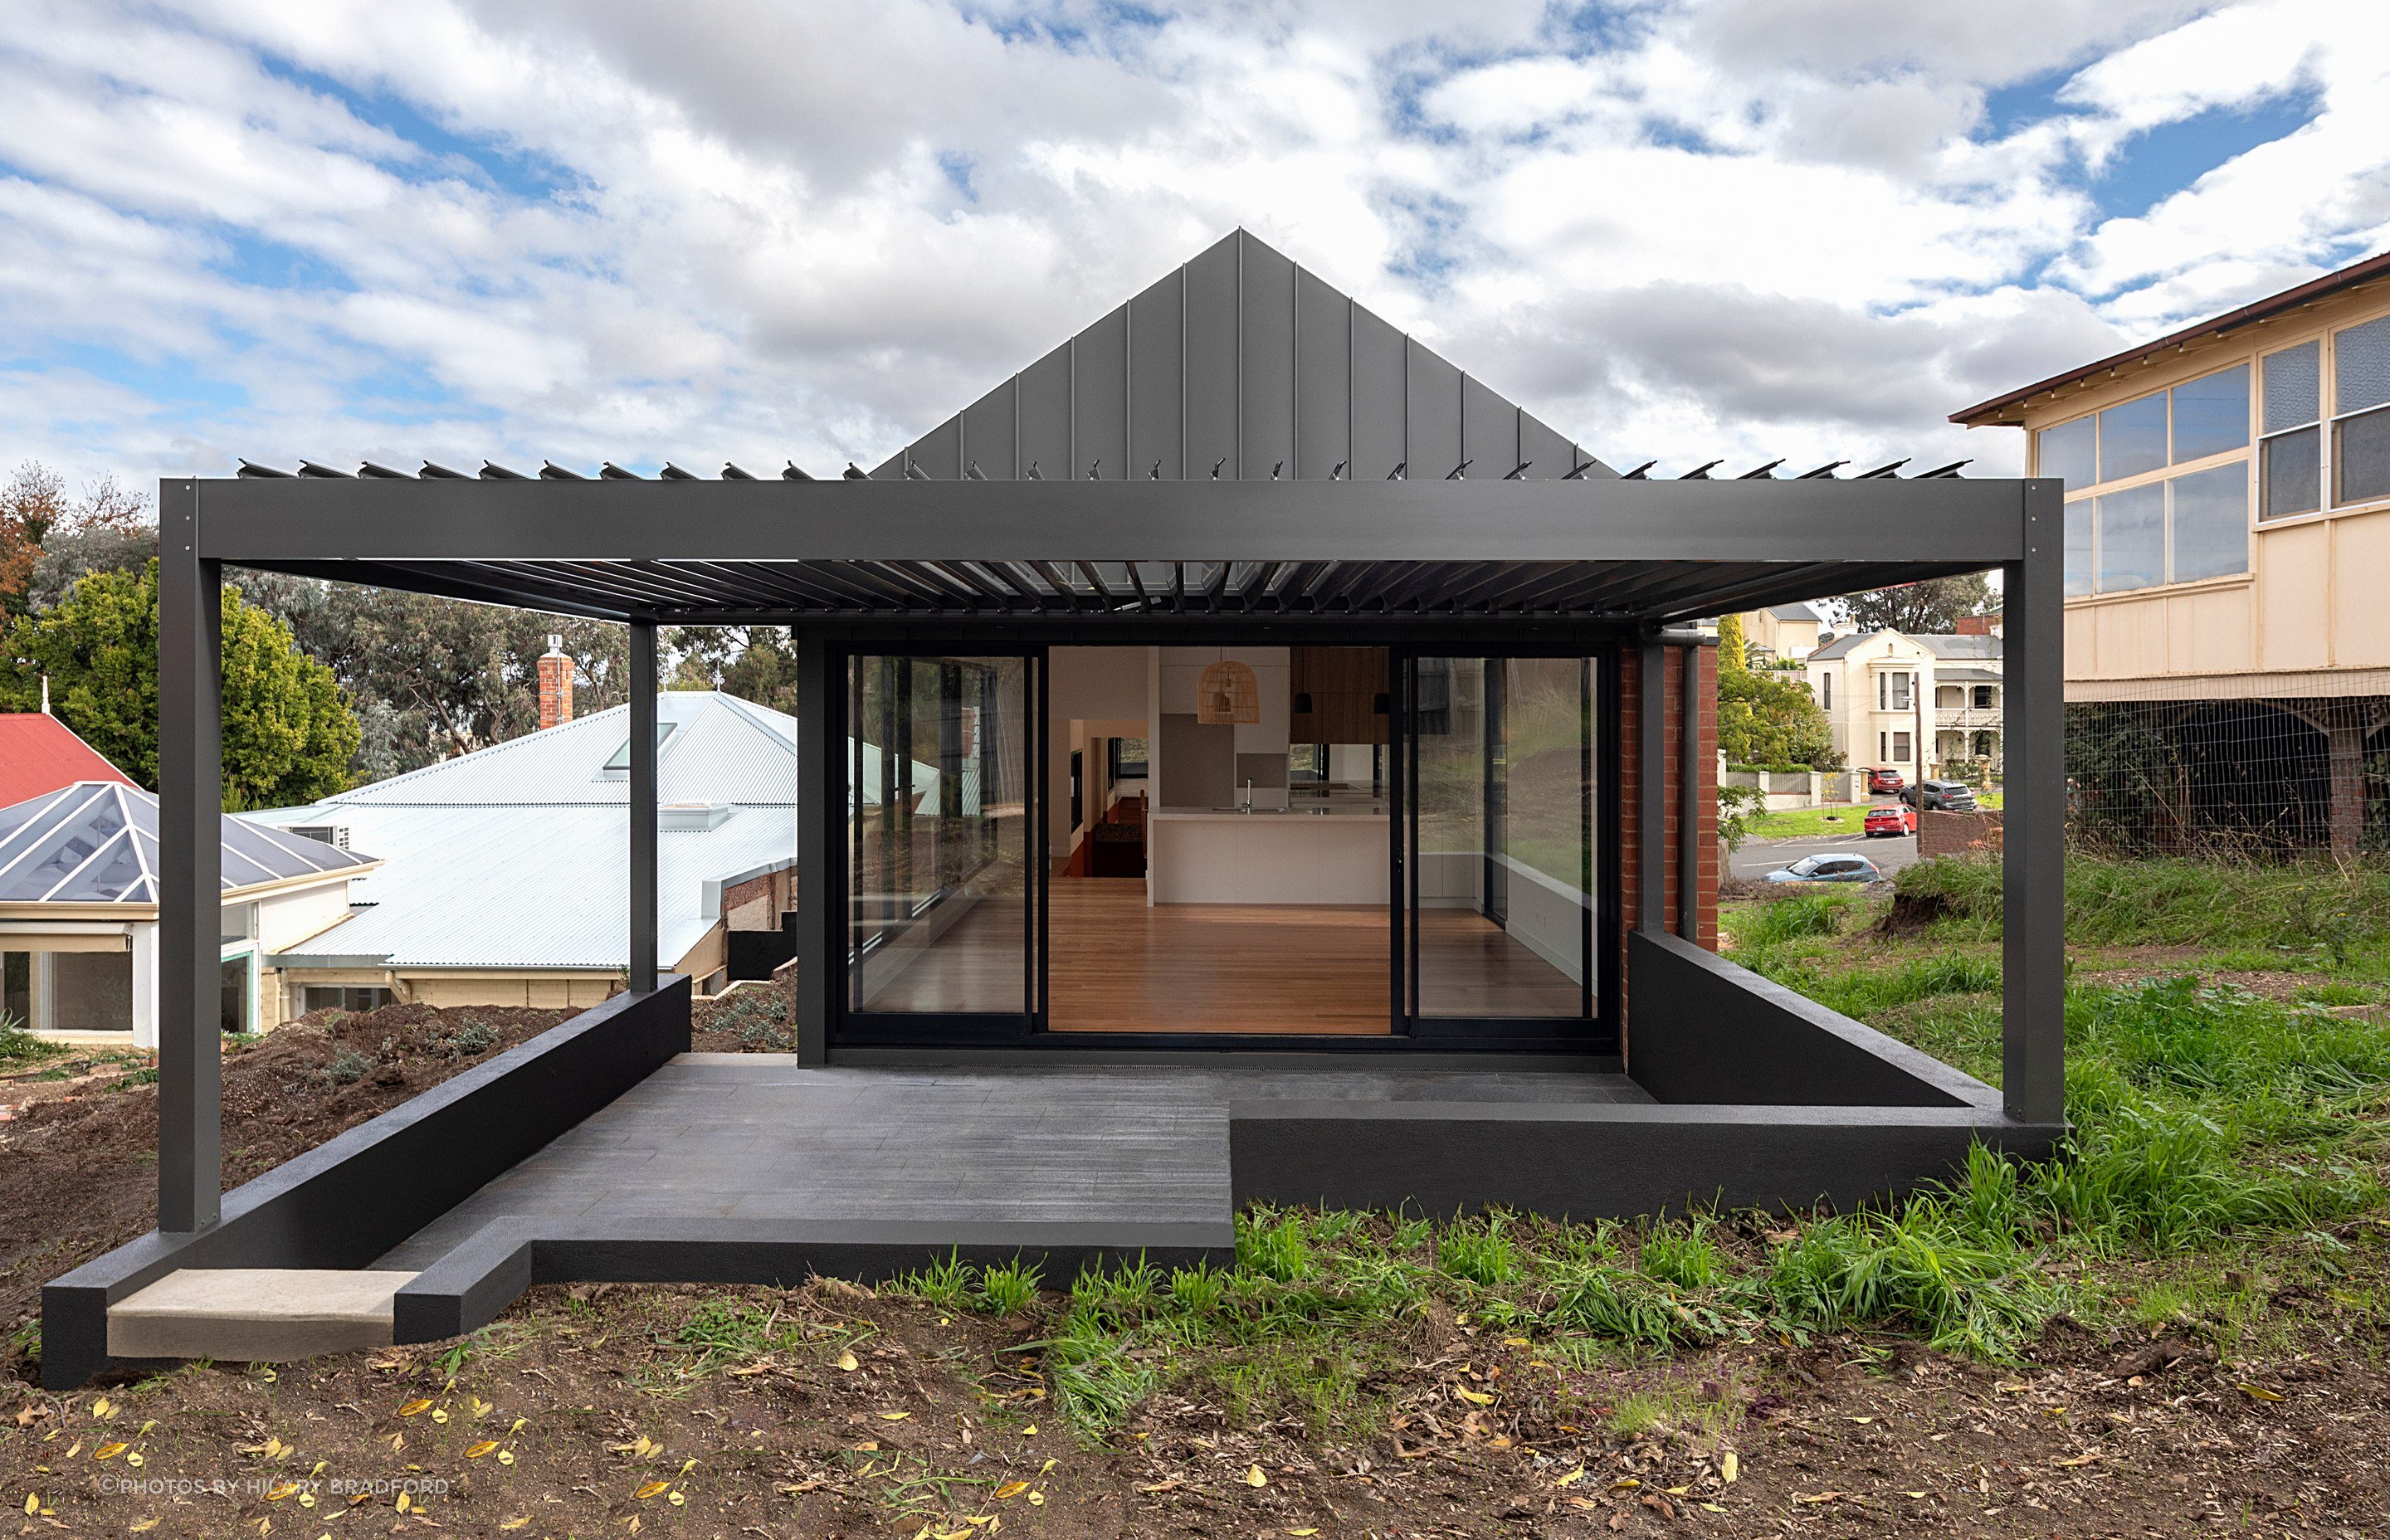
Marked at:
<point>740,229</point>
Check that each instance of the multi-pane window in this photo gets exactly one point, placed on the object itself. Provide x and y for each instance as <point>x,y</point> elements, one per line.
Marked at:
<point>1892,692</point>
<point>2161,529</point>
<point>2360,402</point>
<point>2290,474</point>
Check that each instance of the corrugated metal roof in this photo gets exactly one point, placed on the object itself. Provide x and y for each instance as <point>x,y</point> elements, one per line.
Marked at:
<point>1933,642</point>
<point>516,855</point>
<point>39,754</point>
<point>96,842</point>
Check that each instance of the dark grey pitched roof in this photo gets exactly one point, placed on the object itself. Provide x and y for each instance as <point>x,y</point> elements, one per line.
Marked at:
<point>96,842</point>
<point>1243,365</point>
<point>1795,612</point>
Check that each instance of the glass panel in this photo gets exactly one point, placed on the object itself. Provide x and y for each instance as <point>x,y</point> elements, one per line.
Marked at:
<point>2211,415</point>
<point>938,836</point>
<point>2361,457</point>
<point>2067,451</point>
<point>2211,522</point>
<point>2293,387</point>
<point>2132,539</point>
<point>2291,478</point>
<point>2078,546</point>
<point>91,991</point>
<point>1502,843</point>
<point>16,990</point>
<point>2133,438</point>
<point>2360,366</point>
<point>233,1010</point>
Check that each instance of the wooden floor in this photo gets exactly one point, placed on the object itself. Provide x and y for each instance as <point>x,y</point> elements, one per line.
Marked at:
<point>1121,965</point>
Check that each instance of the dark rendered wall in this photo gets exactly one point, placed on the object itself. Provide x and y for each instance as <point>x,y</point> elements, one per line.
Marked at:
<point>1704,1030</point>
<point>349,1201</point>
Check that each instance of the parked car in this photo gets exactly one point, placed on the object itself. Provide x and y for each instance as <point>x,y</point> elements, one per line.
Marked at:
<point>1883,779</point>
<point>1827,869</point>
<point>1893,818</point>
<point>1942,796</point>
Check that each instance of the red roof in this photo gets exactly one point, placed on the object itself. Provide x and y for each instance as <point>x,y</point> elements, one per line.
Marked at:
<point>38,756</point>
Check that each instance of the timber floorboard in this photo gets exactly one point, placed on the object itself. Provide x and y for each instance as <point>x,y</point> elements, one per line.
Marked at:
<point>1122,965</point>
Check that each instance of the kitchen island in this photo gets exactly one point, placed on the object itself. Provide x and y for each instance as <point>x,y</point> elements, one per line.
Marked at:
<point>1334,853</point>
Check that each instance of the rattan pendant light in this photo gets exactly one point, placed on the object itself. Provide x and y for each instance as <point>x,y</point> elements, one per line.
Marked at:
<point>1228,693</point>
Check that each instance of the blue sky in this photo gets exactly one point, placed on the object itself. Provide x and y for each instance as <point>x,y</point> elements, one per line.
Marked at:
<point>584,230</point>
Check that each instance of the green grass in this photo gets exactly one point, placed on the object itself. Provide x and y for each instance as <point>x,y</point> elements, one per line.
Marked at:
<point>1808,822</point>
<point>2217,1138</point>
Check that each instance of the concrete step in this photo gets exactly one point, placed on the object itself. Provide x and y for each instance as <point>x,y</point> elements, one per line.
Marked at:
<point>272,1315</point>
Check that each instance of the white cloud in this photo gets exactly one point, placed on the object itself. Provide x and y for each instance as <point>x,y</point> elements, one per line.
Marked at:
<point>751,230</point>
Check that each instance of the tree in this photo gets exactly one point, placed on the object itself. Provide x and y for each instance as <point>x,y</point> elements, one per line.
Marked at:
<point>435,677</point>
<point>1930,608</point>
<point>753,663</point>
<point>33,501</point>
<point>288,732</point>
<point>1766,717</point>
<point>1734,651</point>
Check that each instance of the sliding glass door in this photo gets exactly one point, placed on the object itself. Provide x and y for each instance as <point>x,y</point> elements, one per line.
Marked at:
<point>1499,854</point>
<point>941,883</point>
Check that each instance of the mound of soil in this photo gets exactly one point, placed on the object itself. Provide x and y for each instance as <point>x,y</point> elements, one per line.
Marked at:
<point>78,1158</point>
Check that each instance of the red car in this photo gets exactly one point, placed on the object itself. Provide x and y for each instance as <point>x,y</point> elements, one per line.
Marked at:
<point>1896,819</point>
<point>1883,778</point>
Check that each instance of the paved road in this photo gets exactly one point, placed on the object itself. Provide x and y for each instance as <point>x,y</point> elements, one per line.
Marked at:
<point>1758,857</point>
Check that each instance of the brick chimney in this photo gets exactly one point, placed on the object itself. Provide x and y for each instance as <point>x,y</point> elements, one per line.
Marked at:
<point>1977,625</point>
<point>554,686</point>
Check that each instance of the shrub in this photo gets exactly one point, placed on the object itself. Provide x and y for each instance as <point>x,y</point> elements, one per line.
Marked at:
<point>347,1067</point>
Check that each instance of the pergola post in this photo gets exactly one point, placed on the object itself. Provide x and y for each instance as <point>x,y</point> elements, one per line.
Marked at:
<point>643,806</point>
<point>1652,787</point>
<point>191,801</point>
<point>2033,845</point>
<point>817,836</point>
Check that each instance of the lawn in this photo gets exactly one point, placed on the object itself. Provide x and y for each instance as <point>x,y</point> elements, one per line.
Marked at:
<point>2183,1322</point>
<point>1808,822</point>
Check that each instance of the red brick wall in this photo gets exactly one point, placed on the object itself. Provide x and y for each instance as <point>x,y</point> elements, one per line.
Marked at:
<point>1630,767</point>
<point>555,690</point>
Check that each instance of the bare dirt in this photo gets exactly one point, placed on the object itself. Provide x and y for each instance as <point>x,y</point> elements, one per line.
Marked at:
<point>78,1156</point>
<point>587,1411</point>
<point>595,1410</point>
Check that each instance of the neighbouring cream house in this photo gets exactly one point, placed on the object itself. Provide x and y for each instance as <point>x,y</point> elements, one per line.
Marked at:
<point>1873,684</point>
<point>1785,633</point>
<point>2228,535</point>
<point>79,912</point>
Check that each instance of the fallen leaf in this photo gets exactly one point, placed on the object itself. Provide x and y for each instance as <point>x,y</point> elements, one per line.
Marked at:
<point>649,1489</point>
<point>412,1407</point>
<point>2079,1460</point>
<point>1030,1432</point>
<point>1730,1466</point>
<point>1817,1497</point>
<point>677,1499</point>
<point>439,1414</point>
<point>33,1504</point>
<point>1475,1398</point>
<point>1010,1489</point>
<point>110,1451</point>
<point>145,1526</point>
<point>2258,1392</point>
<point>1048,1466</point>
<point>26,1415</point>
<point>475,1451</point>
<point>1624,1483</point>
<point>1572,1478</point>
<point>506,1456</point>
<point>520,1520</point>
<point>1171,1485</point>
<point>1253,1476</point>
<point>847,1361</point>
<point>1299,1534</point>
<point>894,1417</point>
<point>405,1502</point>
<point>1038,1499</point>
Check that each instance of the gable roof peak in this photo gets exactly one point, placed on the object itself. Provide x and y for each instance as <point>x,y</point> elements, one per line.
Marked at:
<point>1241,364</point>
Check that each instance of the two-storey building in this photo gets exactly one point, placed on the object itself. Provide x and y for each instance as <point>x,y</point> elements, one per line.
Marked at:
<point>2228,541</point>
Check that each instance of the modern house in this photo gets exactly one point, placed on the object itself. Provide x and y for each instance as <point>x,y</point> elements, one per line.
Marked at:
<point>2227,511</point>
<point>1887,692</point>
<point>503,882</point>
<point>79,912</point>
<point>1428,897</point>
